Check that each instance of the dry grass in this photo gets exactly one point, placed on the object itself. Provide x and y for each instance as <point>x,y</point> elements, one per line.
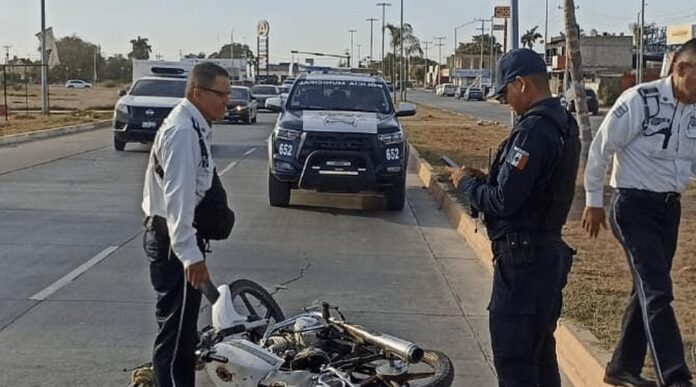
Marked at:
<point>77,105</point>
<point>600,281</point>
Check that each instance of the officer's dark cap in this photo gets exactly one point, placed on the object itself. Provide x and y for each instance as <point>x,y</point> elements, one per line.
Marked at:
<point>519,62</point>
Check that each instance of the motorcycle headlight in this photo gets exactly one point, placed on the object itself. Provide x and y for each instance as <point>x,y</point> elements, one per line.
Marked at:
<point>287,134</point>
<point>391,138</point>
<point>122,108</point>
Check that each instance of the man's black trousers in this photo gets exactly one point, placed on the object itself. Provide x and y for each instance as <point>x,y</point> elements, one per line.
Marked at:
<point>176,310</point>
<point>646,224</point>
<point>524,309</point>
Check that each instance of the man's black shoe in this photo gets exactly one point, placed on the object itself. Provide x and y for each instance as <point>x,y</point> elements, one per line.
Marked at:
<point>627,380</point>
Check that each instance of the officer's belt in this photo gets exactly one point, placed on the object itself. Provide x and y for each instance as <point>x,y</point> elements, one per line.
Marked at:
<point>525,240</point>
<point>642,194</point>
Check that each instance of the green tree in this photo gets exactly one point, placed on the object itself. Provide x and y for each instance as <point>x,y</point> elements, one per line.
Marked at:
<point>474,47</point>
<point>117,68</point>
<point>530,37</point>
<point>141,50</point>
<point>239,50</point>
<point>411,46</point>
<point>76,60</point>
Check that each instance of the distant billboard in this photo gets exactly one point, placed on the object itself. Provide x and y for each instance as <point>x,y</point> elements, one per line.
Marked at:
<point>471,73</point>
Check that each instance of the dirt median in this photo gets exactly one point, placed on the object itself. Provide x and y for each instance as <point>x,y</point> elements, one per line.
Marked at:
<point>600,281</point>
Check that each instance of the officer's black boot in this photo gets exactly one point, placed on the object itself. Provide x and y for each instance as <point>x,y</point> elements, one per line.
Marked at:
<point>625,379</point>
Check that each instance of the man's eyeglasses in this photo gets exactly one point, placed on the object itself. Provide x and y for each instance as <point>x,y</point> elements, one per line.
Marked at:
<point>221,94</point>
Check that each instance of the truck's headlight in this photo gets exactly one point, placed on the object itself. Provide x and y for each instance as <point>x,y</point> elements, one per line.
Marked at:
<point>287,134</point>
<point>122,108</point>
<point>391,138</point>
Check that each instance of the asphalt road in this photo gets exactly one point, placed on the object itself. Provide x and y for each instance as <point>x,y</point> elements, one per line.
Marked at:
<point>490,111</point>
<point>76,306</point>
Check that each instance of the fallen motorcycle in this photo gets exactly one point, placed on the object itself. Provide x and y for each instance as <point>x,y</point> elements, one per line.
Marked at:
<point>251,344</point>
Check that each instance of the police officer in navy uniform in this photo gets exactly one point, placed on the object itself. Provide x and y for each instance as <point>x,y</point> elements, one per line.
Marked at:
<point>179,174</point>
<point>650,133</point>
<point>525,200</point>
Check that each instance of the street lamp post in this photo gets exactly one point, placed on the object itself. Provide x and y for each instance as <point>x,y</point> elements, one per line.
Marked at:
<point>383,5</point>
<point>44,72</point>
<point>371,20</point>
<point>350,59</point>
<point>402,66</point>
<point>425,63</point>
<point>439,59</point>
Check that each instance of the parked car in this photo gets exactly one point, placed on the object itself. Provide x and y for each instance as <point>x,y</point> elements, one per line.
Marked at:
<point>140,112</point>
<point>473,93</point>
<point>263,92</point>
<point>339,132</point>
<point>241,106</point>
<point>283,95</point>
<point>77,84</point>
<point>445,90</point>
<point>567,100</point>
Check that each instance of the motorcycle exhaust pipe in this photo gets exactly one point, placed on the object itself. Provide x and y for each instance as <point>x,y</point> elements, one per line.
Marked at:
<point>402,348</point>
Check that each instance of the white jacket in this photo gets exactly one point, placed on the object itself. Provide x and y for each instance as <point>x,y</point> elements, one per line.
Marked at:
<point>644,156</point>
<point>185,181</point>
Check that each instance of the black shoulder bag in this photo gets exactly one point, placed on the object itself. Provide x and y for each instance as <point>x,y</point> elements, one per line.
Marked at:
<point>213,219</point>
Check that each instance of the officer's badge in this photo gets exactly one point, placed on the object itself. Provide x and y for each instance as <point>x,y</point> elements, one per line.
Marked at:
<point>692,122</point>
<point>620,110</point>
<point>518,158</point>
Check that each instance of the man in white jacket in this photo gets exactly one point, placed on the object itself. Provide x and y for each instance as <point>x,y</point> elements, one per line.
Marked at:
<point>650,133</point>
<point>178,175</point>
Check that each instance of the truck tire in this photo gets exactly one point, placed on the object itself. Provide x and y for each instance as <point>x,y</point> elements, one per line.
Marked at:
<point>396,196</point>
<point>119,145</point>
<point>278,191</point>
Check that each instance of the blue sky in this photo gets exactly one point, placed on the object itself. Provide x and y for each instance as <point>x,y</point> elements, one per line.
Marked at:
<point>305,25</point>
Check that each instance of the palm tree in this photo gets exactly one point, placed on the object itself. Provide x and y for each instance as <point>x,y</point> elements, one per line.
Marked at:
<point>530,37</point>
<point>141,50</point>
<point>410,41</point>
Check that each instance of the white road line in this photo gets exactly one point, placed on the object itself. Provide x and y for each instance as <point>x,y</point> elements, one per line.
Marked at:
<point>229,167</point>
<point>42,295</point>
<point>234,163</point>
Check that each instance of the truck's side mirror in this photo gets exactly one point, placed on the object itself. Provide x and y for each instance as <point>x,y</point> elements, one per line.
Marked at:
<point>121,92</point>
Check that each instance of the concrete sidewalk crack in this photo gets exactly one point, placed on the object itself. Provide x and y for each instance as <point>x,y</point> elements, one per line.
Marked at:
<point>284,285</point>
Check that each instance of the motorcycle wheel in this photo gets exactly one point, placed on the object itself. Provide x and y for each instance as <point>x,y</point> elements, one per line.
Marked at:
<point>434,370</point>
<point>252,298</point>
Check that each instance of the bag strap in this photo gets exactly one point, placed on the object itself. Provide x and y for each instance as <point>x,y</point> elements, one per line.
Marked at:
<point>201,143</point>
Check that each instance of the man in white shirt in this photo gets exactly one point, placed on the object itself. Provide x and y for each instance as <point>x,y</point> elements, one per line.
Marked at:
<point>178,175</point>
<point>650,133</point>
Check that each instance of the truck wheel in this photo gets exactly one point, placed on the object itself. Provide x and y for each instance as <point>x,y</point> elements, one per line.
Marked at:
<point>396,196</point>
<point>119,145</point>
<point>278,191</point>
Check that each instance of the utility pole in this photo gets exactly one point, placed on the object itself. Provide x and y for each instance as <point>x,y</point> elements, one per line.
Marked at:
<point>439,60</point>
<point>515,24</point>
<point>351,32</point>
<point>358,57</point>
<point>371,20</point>
<point>44,62</point>
<point>483,31</point>
<point>96,51</point>
<point>383,5</point>
<point>232,44</point>
<point>455,35</point>
<point>425,63</point>
<point>402,67</point>
<point>639,77</point>
<point>546,32</point>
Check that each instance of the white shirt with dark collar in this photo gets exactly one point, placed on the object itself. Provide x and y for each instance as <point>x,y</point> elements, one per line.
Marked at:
<point>644,157</point>
<point>185,180</point>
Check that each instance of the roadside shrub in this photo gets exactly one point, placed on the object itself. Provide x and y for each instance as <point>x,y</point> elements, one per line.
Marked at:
<point>110,84</point>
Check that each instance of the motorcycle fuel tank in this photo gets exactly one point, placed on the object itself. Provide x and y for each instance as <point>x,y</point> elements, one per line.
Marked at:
<point>248,364</point>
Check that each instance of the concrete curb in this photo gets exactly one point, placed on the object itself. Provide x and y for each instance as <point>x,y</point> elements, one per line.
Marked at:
<point>579,354</point>
<point>53,132</point>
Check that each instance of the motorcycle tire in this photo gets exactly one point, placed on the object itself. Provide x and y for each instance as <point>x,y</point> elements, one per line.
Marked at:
<point>442,366</point>
<point>242,287</point>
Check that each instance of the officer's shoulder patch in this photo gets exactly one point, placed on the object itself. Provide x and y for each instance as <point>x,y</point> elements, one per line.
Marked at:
<point>620,110</point>
<point>518,158</point>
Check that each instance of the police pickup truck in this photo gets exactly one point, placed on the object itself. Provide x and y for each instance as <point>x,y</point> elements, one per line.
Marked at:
<point>338,132</point>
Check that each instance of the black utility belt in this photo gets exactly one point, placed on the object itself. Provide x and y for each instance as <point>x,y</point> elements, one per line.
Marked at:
<point>519,247</point>
<point>663,197</point>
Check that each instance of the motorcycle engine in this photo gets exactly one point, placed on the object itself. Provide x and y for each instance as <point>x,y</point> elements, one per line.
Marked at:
<point>300,345</point>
